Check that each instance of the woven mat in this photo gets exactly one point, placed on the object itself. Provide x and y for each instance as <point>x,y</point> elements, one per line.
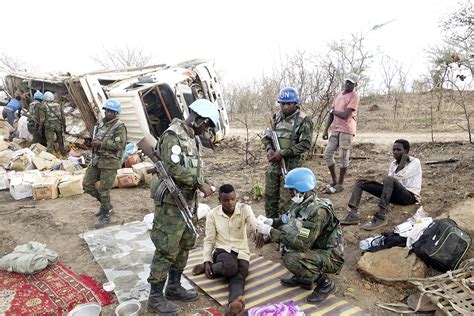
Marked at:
<point>263,287</point>
<point>53,291</point>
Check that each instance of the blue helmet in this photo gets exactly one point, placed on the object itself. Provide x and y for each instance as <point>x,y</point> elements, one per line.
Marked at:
<point>38,95</point>
<point>206,109</point>
<point>288,95</point>
<point>301,180</point>
<point>48,96</point>
<point>112,105</point>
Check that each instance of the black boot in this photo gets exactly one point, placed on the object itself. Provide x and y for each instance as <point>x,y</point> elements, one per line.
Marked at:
<point>158,304</point>
<point>102,211</point>
<point>174,290</point>
<point>104,219</point>
<point>324,287</point>
<point>295,281</point>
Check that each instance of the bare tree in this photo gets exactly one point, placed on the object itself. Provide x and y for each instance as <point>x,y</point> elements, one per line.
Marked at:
<point>11,64</point>
<point>458,26</point>
<point>122,58</point>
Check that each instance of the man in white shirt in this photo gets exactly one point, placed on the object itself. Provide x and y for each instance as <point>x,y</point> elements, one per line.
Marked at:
<point>226,252</point>
<point>401,186</point>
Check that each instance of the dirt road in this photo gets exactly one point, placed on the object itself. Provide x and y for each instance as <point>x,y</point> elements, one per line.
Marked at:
<point>380,138</point>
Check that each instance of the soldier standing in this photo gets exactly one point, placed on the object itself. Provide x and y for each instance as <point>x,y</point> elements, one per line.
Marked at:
<point>107,145</point>
<point>310,234</point>
<point>295,131</point>
<point>34,119</point>
<point>52,121</point>
<point>179,149</point>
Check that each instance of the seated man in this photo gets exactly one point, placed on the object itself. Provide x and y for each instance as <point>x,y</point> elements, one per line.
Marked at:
<point>226,252</point>
<point>310,234</point>
<point>401,186</point>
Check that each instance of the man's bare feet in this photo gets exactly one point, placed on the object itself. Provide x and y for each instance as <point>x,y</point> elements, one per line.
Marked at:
<point>235,307</point>
<point>198,269</point>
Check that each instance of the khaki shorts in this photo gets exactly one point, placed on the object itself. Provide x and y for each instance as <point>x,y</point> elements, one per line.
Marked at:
<point>342,141</point>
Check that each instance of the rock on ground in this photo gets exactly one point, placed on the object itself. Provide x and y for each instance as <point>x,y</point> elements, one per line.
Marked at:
<point>391,266</point>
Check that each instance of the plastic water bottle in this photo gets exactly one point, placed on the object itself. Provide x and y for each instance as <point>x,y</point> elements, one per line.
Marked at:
<point>371,242</point>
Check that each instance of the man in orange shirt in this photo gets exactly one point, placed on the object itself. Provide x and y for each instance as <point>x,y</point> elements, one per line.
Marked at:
<point>342,117</point>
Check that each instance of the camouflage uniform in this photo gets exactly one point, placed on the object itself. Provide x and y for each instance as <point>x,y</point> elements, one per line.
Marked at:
<point>312,238</point>
<point>53,122</point>
<point>172,237</point>
<point>34,123</point>
<point>105,161</point>
<point>295,134</point>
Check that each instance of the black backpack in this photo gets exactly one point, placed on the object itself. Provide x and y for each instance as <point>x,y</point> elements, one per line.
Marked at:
<point>442,245</point>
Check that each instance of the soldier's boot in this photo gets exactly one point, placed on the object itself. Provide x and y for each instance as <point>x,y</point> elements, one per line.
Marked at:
<point>174,290</point>
<point>325,287</point>
<point>158,304</point>
<point>103,210</point>
<point>295,281</point>
<point>104,219</point>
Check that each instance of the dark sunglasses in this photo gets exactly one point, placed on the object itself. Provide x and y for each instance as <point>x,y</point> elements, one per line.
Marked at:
<point>287,103</point>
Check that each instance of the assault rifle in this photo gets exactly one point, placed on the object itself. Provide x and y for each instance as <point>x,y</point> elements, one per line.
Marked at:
<point>91,155</point>
<point>181,202</point>
<point>276,147</point>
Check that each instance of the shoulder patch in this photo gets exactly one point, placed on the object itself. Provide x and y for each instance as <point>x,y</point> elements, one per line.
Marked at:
<point>304,232</point>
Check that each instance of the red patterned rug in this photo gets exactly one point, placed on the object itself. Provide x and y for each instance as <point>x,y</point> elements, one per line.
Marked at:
<point>53,291</point>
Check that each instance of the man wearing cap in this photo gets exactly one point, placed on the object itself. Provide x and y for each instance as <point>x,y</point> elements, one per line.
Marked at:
<point>342,117</point>
<point>108,144</point>
<point>180,152</point>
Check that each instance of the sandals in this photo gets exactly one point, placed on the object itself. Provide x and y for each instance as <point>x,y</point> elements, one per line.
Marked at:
<point>333,189</point>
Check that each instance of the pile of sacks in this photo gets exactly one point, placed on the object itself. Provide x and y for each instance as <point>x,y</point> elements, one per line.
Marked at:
<point>33,172</point>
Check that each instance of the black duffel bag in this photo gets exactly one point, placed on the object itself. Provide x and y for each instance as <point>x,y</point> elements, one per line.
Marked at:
<point>442,245</point>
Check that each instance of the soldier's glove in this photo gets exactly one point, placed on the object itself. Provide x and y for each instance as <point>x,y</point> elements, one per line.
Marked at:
<point>263,228</point>
<point>267,133</point>
<point>265,220</point>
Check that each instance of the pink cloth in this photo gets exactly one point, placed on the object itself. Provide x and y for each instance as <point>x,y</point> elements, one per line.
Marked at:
<point>341,103</point>
<point>283,309</point>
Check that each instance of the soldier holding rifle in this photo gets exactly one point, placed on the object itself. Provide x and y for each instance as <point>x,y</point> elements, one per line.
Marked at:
<point>108,144</point>
<point>173,236</point>
<point>294,132</point>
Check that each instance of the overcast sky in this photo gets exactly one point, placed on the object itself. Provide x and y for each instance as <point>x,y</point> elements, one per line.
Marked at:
<point>244,38</point>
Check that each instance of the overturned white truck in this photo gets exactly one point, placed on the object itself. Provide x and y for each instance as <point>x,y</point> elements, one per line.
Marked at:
<point>150,96</point>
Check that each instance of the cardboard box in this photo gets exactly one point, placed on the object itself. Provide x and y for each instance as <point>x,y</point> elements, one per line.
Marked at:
<point>3,145</point>
<point>19,163</point>
<point>21,183</point>
<point>5,157</point>
<point>141,168</point>
<point>128,180</point>
<point>72,185</point>
<point>37,148</point>
<point>5,178</point>
<point>42,164</point>
<point>46,189</point>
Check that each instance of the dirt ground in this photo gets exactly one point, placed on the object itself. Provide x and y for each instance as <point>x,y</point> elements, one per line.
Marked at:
<point>58,223</point>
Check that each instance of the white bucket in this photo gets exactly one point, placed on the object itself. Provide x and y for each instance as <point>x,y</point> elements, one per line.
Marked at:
<point>87,309</point>
<point>128,308</point>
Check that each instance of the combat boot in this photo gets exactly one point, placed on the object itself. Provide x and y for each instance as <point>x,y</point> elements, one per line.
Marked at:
<point>158,304</point>
<point>295,281</point>
<point>174,290</point>
<point>324,287</point>
<point>104,219</point>
<point>102,211</point>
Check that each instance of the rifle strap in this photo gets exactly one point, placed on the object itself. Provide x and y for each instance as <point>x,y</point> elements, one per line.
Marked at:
<point>54,113</point>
